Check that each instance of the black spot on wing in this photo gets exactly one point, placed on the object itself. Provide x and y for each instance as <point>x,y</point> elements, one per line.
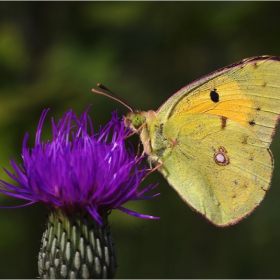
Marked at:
<point>252,123</point>
<point>214,95</point>
<point>161,128</point>
<point>256,65</point>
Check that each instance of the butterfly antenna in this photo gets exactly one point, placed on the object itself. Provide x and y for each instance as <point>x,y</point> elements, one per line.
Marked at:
<point>112,96</point>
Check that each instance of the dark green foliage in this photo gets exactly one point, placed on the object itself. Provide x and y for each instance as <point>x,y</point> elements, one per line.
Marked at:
<point>53,53</point>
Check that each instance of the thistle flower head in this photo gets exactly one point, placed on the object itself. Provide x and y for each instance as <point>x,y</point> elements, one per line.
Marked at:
<point>79,169</point>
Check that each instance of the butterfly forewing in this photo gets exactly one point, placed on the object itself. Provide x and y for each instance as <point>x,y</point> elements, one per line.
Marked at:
<point>246,92</point>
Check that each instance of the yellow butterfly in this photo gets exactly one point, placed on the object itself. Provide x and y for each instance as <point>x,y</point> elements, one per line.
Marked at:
<point>212,138</point>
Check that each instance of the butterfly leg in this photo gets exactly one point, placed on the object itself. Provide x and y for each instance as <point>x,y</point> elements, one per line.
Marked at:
<point>151,171</point>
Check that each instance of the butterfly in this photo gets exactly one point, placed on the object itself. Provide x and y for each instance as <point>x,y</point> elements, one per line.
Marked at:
<point>211,139</point>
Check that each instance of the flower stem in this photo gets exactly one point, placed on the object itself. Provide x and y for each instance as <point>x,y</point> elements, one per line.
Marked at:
<point>75,246</point>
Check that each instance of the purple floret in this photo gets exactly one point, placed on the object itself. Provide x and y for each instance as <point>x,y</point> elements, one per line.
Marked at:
<point>79,169</point>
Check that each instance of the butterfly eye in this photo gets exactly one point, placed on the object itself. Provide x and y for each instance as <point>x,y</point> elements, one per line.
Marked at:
<point>137,121</point>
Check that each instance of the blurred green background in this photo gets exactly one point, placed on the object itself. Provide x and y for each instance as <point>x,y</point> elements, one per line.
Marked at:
<point>53,53</point>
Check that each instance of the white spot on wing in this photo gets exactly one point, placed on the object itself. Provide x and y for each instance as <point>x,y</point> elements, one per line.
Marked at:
<point>221,157</point>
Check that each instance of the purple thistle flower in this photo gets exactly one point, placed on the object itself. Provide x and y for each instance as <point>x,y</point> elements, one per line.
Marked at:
<point>79,170</point>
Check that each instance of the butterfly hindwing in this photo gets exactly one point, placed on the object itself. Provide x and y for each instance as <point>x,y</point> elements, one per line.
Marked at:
<point>219,168</point>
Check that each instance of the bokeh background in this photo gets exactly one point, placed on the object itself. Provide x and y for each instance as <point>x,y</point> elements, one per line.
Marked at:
<point>53,53</point>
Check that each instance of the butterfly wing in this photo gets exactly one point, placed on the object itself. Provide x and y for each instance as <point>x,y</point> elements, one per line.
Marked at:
<point>213,136</point>
<point>247,92</point>
<point>220,168</point>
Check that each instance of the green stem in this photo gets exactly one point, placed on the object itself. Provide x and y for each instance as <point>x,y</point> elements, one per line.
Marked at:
<point>76,247</point>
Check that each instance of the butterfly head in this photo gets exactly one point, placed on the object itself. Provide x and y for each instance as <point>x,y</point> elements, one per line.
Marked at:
<point>134,119</point>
